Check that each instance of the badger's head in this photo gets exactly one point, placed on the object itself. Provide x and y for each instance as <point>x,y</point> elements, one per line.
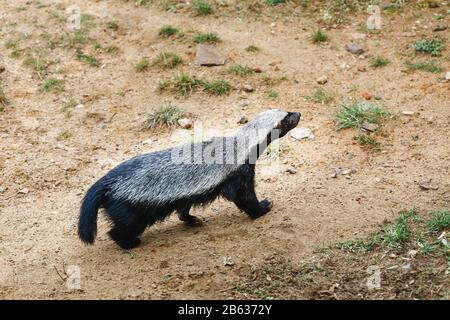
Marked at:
<point>288,123</point>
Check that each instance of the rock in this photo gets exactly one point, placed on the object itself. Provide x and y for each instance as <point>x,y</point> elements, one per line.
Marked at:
<point>409,34</point>
<point>24,191</point>
<point>447,76</point>
<point>228,262</point>
<point>433,4</point>
<point>344,66</point>
<point>348,171</point>
<point>185,123</point>
<point>247,88</point>
<point>439,28</point>
<point>427,185</point>
<point>301,133</point>
<point>322,80</point>
<point>367,95</point>
<point>148,141</point>
<point>354,48</point>
<point>207,55</point>
<point>362,69</point>
<point>392,256</point>
<point>377,97</point>
<point>408,113</point>
<point>369,126</point>
<point>242,120</point>
<point>291,170</point>
<point>2,68</point>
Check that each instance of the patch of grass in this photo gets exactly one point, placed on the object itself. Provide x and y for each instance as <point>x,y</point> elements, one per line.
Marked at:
<point>64,135</point>
<point>240,70</point>
<point>427,66</point>
<point>379,62</point>
<point>113,25</point>
<point>142,65</point>
<point>92,61</point>
<point>80,36</point>
<point>209,37</point>
<point>272,94</point>
<point>184,84</point>
<point>202,7</point>
<point>252,49</point>
<point>68,106</point>
<point>430,46</point>
<point>167,60</point>
<point>275,2</point>
<point>167,31</point>
<point>112,49</point>
<point>396,235</point>
<point>37,63</point>
<point>355,245</point>
<point>165,116</point>
<point>355,114</point>
<point>217,87</point>
<point>319,36</point>
<point>272,81</point>
<point>439,220</point>
<point>320,96</point>
<point>51,84</point>
<point>368,141</point>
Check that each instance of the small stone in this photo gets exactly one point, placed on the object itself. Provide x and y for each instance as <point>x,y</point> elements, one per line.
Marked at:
<point>348,171</point>
<point>207,55</point>
<point>247,88</point>
<point>185,123</point>
<point>367,95</point>
<point>24,191</point>
<point>369,126</point>
<point>447,76</point>
<point>439,28</point>
<point>301,133</point>
<point>427,185</point>
<point>228,262</point>
<point>392,256</point>
<point>344,66</point>
<point>362,69</point>
<point>408,113</point>
<point>148,141</point>
<point>242,120</point>
<point>291,170</point>
<point>2,68</point>
<point>409,34</point>
<point>322,80</point>
<point>354,48</point>
<point>377,97</point>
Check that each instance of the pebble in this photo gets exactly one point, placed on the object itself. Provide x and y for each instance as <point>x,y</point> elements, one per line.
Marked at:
<point>228,262</point>
<point>322,80</point>
<point>24,191</point>
<point>354,48</point>
<point>377,97</point>
<point>207,55</point>
<point>242,120</point>
<point>2,68</point>
<point>148,141</point>
<point>447,76</point>
<point>248,88</point>
<point>185,123</point>
<point>408,113</point>
<point>291,170</point>
<point>369,126</point>
<point>301,133</point>
<point>412,253</point>
<point>367,95</point>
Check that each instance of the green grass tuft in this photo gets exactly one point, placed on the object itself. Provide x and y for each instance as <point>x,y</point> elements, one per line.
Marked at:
<point>272,95</point>
<point>275,2</point>
<point>217,87</point>
<point>252,48</point>
<point>379,62</point>
<point>355,114</point>
<point>113,25</point>
<point>142,65</point>
<point>165,116</point>
<point>202,7</point>
<point>368,141</point>
<point>51,84</point>
<point>167,31</point>
<point>209,37</point>
<point>319,36</point>
<point>439,220</point>
<point>240,70</point>
<point>320,96</point>
<point>92,61</point>
<point>432,66</point>
<point>167,60</point>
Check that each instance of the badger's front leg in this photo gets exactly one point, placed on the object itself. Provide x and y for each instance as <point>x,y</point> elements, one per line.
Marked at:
<point>241,190</point>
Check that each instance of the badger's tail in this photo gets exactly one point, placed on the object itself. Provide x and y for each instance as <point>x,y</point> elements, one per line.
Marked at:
<point>87,225</point>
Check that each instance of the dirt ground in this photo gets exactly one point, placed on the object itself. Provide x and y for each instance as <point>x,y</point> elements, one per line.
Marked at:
<point>52,149</point>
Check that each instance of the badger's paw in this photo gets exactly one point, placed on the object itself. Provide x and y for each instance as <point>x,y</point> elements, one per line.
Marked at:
<point>193,221</point>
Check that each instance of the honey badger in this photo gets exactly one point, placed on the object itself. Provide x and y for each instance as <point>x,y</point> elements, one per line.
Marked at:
<point>149,187</point>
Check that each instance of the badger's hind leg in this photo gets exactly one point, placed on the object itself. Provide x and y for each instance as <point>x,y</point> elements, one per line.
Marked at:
<point>128,224</point>
<point>183,214</point>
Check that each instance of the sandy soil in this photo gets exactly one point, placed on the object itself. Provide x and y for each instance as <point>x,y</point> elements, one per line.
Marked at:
<point>48,159</point>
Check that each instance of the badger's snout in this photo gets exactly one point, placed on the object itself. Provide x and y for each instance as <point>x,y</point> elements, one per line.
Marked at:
<point>294,118</point>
